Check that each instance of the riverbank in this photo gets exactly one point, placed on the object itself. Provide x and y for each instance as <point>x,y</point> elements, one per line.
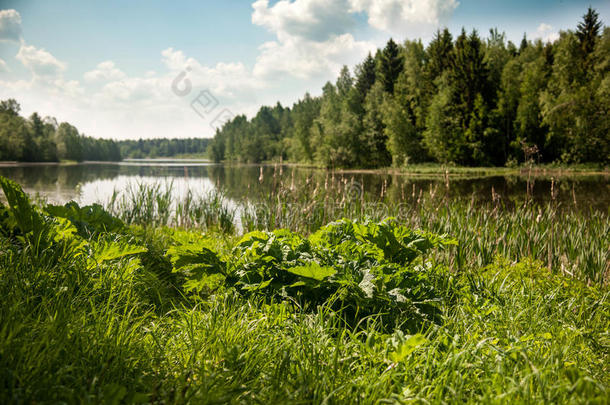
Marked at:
<point>437,170</point>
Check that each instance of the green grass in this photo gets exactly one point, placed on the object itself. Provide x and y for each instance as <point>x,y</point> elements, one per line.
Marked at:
<point>436,170</point>
<point>86,316</point>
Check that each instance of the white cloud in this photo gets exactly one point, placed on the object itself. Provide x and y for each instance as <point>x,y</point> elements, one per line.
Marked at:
<point>316,20</point>
<point>4,67</point>
<point>307,59</point>
<point>105,71</point>
<point>40,62</point>
<point>228,80</point>
<point>546,33</point>
<point>386,15</point>
<point>406,18</point>
<point>46,79</point>
<point>10,25</point>
<point>312,38</point>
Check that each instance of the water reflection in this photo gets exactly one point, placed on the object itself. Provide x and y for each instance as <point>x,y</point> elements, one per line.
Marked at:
<point>93,182</point>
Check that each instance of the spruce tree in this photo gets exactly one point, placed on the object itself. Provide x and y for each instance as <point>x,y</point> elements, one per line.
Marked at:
<point>588,31</point>
<point>391,64</point>
<point>438,54</point>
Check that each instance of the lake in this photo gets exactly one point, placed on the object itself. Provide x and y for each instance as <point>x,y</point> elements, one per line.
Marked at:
<point>89,183</point>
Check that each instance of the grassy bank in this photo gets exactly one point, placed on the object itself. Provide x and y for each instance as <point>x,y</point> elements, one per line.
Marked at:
<point>440,170</point>
<point>127,305</point>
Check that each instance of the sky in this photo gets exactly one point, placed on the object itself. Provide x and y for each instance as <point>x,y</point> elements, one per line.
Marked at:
<point>151,68</point>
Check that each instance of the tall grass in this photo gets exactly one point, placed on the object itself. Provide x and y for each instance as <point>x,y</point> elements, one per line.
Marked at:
<point>155,204</point>
<point>569,239</point>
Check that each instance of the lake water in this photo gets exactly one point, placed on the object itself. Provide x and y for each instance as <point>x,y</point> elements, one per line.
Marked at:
<point>95,182</point>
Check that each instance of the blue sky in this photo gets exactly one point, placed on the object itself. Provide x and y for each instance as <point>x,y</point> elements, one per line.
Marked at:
<point>108,67</point>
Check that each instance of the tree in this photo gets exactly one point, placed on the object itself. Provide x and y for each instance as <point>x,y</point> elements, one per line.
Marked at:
<point>13,131</point>
<point>304,114</point>
<point>528,120</point>
<point>469,76</point>
<point>344,82</point>
<point>444,137</point>
<point>439,55</point>
<point>524,44</point>
<point>588,31</point>
<point>404,112</point>
<point>390,66</point>
<point>373,138</point>
<point>10,106</point>
<point>68,142</point>
<point>469,101</point>
<point>365,77</point>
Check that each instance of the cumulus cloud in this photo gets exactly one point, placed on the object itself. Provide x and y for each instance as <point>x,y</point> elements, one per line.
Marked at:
<point>40,62</point>
<point>10,25</point>
<point>231,80</point>
<point>316,20</point>
<point>389,15</point>
<point>105,71</point>
<point>546,33</point>
<point>306,59</point>
<point>312,38</point>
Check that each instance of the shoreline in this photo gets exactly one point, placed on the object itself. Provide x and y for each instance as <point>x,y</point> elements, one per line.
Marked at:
<point>415,170</point>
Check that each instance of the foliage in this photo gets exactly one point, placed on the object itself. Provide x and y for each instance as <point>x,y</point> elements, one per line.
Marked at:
<point>51,236</point>
<point>44,140</point>
<point>153,148</point>
<point>467,101</point>
<point>362,268</point>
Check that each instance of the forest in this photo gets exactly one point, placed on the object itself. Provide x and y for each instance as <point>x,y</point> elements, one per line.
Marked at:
<point>37,139</point>
<point>152,148</point>
<point>466,100</point>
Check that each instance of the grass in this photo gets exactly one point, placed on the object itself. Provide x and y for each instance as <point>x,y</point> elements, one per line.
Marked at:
<point>84,320</point>
<point>436,170</point>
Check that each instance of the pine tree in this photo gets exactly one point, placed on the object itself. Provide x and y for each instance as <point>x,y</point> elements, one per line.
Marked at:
<point>391,64</point>
<point>439,54</point>
<point>524,44</point>
<point>588,31</point>
<point>365,76</point>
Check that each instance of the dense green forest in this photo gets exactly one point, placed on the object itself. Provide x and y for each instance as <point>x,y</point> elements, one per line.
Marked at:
<point>464,100</point>
<point>37,139</point>
<point>152,148</point>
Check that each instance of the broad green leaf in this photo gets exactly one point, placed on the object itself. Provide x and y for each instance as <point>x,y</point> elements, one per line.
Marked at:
<point>106,250</point>
<point>312,270</point>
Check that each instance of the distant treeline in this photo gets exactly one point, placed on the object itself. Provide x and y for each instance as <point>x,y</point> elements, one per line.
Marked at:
<point>151,148</point>
<point>468,101</point>
<point>37,139</point>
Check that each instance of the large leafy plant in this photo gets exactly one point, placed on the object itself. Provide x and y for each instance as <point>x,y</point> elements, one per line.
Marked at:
<point>361,268</point>
<point>62,234</point>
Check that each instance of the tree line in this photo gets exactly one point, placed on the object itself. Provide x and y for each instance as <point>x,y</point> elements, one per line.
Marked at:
<point>37,139</point>
<point>463,100</point>
<point>152,148</point>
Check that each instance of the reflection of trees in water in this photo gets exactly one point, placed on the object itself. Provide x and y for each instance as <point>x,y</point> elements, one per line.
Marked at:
<point>240,181</point>
<point>62,176</point>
